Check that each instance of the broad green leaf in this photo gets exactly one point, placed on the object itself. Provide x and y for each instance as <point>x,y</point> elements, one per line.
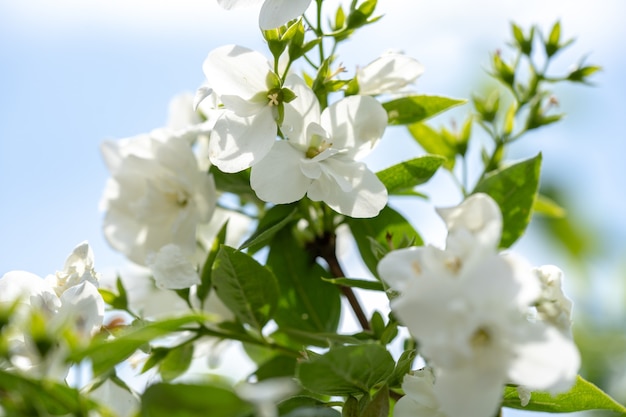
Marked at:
<point>402,367</point>
<point>105,354</point>
<point>357,283</point>
<point>414,109</point>
<point>302,406</point>
<point>272,222</point>
<point>388,223</point>
<point>514,188</point>
<point>306,302</point>
<point>21,395</point>
<point>548,207</point>
<point>186,400</point>
<point>207,269</point>
<point>247,288</point>
<point>176,362</point>
<point>434,143</point>
<point>276,367</point>
<point>346,370</point>
<point>377,406</point>
<point>315,339</point>
<point>408,174</point>
<point>583,396</point>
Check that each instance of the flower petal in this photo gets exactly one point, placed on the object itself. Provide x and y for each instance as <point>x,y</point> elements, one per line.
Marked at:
<point>171,269</point>
<point>388,73</point>
<point>237,143</point>
<point>355,123</point>
<point>301,112</point>
<point>278,178</point>
<point>235,70</point>
<point>275,13</point>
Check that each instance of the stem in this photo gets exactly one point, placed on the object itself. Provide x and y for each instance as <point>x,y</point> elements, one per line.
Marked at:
<point>326,249</point>
<point>205,331</point>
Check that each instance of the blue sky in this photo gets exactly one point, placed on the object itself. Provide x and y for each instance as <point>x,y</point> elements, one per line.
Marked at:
<point>76,72</point>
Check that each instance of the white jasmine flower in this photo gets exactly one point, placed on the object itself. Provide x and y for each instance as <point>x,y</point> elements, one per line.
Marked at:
<point>419,396</point>
<point>274,13</point>
<point>266,394</point>
<point>388,74</point>
<point>78,269</point>
<point>68,300</point>
<point>157,195</point>
<point>319,159</point>
<point>468,310</point>
<point>245,84</point>
<point>553,305</point>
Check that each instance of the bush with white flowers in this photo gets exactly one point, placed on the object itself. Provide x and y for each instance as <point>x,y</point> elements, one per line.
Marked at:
<point>233,215</point>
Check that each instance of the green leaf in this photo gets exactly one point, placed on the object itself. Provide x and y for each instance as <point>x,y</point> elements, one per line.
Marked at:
<point>514,188</point>
<point>402,367</point>
<point>315,339</point>
<point>408,174</point>
<point>388,223</point>
<point>306,301</point>
<point>346,370</point>
<point>176,362</point>
<point>207,269</point>
<point>377,406</point>
<point>272,222</point>
<point>583,396</point>
<point>21,395</point>
<point>302,406</point>
<point>548,207</point>
<point>186,400</point>
<point>434,143</point>
<point>414,109</point>
<point>357,283</point>
<point>248,289</point>
<point>105,354</point>
<point>276,367</point>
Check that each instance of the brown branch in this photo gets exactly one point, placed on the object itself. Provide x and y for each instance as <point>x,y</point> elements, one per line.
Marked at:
<point>325,248</point>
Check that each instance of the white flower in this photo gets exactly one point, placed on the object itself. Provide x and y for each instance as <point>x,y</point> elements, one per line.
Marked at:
<point>274,13</point>
<point>419,396</point>
<point>157,195</point>
<point>390,73</point>
<point>319,159</point>
<point>245,84</point>
<point>266,394</point>
<point>116,397</point>
<point>78,268</point>
<point>468,310</point>
<point>68,300</point>
<point>553,306</point>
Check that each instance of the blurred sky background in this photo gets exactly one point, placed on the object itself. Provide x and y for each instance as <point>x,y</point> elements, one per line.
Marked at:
<point>76,72</point>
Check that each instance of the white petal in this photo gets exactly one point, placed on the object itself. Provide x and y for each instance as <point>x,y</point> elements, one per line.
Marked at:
<point>172,269</point>
<point>399,268</point>
<point>469,392</point>
<point>235,70</point>
<point>355,123</point>
<point>480,215</point>
<point>278,178</point>
<point>546,360</point>
<point>301,112</point>
<point>275,13</point>
<point>367,197</point>
<point>233,4</point>
<point>242,107</point>
<point>201,93</point>
<point>29,289</point>
<point>387,74</point>
<point>238,143</point>
<point>82,307</point>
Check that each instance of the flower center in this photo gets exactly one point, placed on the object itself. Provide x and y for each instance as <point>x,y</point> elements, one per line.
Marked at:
<point>480,338</point>
<point>273,99</point>
<point>317,145</point>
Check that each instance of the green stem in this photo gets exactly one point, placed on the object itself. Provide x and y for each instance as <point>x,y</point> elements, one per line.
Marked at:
<point>205,331</point>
